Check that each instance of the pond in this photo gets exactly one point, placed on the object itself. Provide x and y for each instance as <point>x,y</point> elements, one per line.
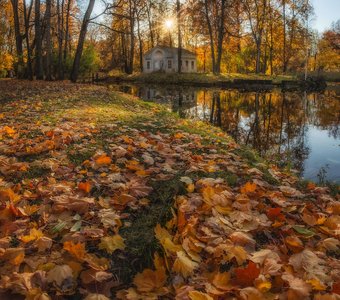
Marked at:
<point>298,130</point>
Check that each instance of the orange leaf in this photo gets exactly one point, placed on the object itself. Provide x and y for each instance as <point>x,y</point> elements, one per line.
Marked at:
<point>246,276</point>
<point>150,280</point>
<point>103,160</point>
<point>77,250</point>
<point>85,186</point>
<point>248,188</point>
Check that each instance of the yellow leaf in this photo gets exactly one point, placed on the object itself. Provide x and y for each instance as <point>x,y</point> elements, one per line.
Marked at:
<point>316,284</point>
<point>17,260</point>
<point>77,250</point>
<point>150,280</point>
<point>9,130</point>
<point>178,135</point>
<point>165,239</point>
<point>184,265</point>
<point>190,188</point>
<point>112,243</point>
<point>196,295</point>
<point>8,195</point>
<point>34,235</point>
<point>221,281</point>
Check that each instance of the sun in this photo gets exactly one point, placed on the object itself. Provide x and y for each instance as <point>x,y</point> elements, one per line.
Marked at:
<point>168,24</point>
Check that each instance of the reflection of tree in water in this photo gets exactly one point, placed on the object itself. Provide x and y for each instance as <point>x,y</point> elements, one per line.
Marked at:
<point>275,123</point>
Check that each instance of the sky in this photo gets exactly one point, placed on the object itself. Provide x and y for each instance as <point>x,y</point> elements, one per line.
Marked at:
<point>326,12</point>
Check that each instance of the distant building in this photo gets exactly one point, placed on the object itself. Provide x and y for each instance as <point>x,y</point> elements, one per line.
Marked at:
<point>165,59</point>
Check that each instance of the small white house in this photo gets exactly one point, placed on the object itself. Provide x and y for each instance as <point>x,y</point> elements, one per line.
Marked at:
<point>165,59</point>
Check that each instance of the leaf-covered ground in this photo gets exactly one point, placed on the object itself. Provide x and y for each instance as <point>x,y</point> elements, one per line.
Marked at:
<point>103,196</point>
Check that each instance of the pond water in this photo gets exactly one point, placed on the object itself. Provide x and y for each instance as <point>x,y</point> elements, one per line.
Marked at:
<point>296,129</point>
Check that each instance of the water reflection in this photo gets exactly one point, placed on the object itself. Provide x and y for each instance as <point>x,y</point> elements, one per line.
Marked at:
<point>293,128</point>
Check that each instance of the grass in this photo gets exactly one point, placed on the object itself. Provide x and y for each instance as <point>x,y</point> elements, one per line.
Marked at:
<point>197,78</point>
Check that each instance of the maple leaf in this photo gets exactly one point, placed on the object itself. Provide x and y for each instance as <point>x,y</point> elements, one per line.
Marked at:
<point>246,276</point>
<point>112,243</point>
<point>275,214</point>
<point>221,281</point>
<point>103,160</point>
<point>96,297</point>
<point>150,280</point>
<point>248,188</point>
<point>8,195</point>
<point>262,284</point>
<point>196,295</point>
<point>299,288</point>
<point>62,277</point>
<point>184,265</point>
<point>34,234</point>
<point>85,186</point>
<point>77,250</point>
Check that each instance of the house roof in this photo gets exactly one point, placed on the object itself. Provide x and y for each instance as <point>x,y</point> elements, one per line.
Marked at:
<point>170,52</point>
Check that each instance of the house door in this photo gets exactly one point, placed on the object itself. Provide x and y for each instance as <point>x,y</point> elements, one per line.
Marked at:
<point>158,60</point>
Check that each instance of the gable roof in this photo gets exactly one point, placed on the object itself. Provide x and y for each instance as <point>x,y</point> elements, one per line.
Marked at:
<point>169,52</point>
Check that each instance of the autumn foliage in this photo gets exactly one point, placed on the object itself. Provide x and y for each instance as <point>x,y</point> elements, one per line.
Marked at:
<point>63,209</point>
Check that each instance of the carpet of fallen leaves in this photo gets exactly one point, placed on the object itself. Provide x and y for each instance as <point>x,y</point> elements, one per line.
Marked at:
<point>73,171</point>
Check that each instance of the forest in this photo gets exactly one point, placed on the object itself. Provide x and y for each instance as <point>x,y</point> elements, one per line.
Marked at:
<point>65,39</point>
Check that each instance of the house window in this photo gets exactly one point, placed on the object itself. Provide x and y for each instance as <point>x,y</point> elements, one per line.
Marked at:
<point>192,65</point>
<point>187,64</point>
<point>169,64</point>
<point>148,65</point>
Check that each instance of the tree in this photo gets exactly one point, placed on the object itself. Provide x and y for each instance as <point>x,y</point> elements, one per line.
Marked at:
<point>256,11</point>
<point>81,40</point>
<point>39,72</point>
<point>179,51</point>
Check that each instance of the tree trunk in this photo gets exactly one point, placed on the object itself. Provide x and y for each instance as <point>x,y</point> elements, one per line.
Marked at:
<point>148,11</point>
<point>284,36</point>
<point>179,52</point>
<point>18,38</point>
<point>81,40</point>
<point>48,41</point>
<point>29,55</point>
<point>220,37</point>
<point>39,72</point>
<point>67,29</point>
<point>140,45</point>
<point>212,48</point>
<point>132,35</point>
<point>258,56</point>
<point>60,16</point>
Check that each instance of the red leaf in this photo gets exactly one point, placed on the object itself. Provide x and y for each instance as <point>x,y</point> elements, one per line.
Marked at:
<point>275,214</point>
<point>336,288</point>
<point>246,277</point>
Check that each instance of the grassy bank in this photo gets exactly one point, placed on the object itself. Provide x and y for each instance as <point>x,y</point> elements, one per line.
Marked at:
<point>197,78</point>
<point>104,196</point>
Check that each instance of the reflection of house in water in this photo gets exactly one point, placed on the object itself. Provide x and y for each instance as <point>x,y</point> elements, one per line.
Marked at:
<point>178,99</point>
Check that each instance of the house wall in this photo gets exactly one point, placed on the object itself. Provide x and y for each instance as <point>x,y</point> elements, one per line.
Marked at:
<point>157,61</point>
